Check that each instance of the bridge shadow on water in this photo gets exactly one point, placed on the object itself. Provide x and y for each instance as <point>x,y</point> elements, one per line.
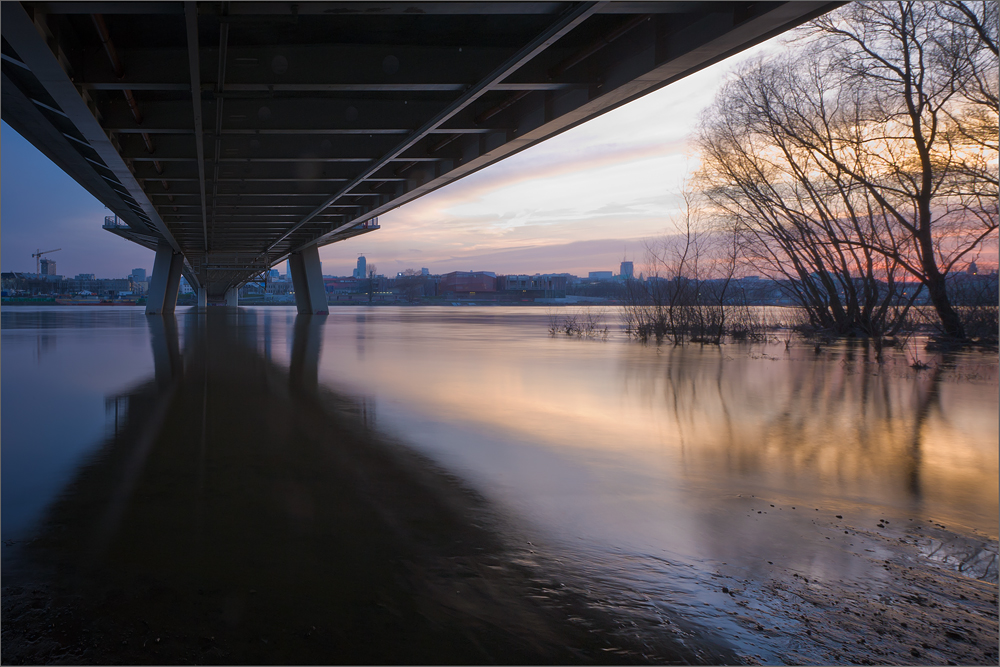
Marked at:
<point>243,513</point>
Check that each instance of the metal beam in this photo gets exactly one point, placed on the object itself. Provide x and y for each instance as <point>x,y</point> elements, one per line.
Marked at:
<point>711,40</point>
<point>369,8</point>
<point>194,64</point>
<point>450,8</point>
<point>220,82</point>
<point>25,117</point>
<point>22,34</point>
<point>566,22</point>
<point>113,7</point>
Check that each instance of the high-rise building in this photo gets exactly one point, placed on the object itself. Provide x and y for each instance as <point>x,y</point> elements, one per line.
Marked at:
<point>139,275</point>
<point>48,267</point>
<point>362,270</point>
<point>425,272</point>
<point>626,270</point>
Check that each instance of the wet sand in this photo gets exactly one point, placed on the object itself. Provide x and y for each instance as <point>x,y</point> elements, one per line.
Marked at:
<point>935,602</point>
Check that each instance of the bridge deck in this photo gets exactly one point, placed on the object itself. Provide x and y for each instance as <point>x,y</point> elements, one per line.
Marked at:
<point>241,132</point>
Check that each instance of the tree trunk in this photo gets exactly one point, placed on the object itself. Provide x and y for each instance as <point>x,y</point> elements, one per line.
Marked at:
<point>937,287</point>
<point>951,323</point>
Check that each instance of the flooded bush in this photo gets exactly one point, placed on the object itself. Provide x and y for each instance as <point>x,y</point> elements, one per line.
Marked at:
<point>589,323</point>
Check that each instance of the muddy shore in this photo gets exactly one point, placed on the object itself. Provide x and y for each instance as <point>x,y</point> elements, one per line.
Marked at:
<point>510,605</point>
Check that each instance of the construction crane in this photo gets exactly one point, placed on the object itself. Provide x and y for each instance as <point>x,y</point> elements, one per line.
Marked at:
<point>37,255</point>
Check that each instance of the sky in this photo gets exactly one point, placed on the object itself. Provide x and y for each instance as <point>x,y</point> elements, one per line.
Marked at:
<point>582,201</point>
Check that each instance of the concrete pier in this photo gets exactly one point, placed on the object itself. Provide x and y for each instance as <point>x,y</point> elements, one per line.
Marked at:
<point>307,280</point>
<point>166,280</point>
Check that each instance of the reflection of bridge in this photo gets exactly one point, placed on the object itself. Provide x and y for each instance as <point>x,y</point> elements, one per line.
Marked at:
<point>309,120</point>
<point>243,513</point>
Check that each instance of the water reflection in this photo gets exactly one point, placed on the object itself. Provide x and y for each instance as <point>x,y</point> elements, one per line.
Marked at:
<point>829,430</point>
<point>455,485</point>
<point>240,512</point>
<point>516,410</point>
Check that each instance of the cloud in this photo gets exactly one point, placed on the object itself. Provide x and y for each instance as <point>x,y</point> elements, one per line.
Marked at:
<point>577,257</point>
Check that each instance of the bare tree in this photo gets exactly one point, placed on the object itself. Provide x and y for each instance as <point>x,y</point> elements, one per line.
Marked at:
<point>796,218</point>
<point>411,283</point>
<point>659,307</point>
<point>687,288</point>
<point>864,155</point>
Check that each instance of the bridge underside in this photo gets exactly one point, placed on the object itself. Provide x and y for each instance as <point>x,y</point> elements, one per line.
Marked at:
<point>238,134</point>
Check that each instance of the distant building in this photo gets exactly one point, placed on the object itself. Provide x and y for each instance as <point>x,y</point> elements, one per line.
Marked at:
<point>337,285</point>
<point>362,270</point>
<point>48,267</point>
<point>522,287</point>
<point>601,275</point>
<point>626,270</point>
<point>139,275</point>
<point>425,272</point>
<point>32,283</point>
<point>275,289</point>
<point>468,282</point>
<point>274,275</point>
<point>85,276</point>
<point>520,282</point>
<point>973,270</point>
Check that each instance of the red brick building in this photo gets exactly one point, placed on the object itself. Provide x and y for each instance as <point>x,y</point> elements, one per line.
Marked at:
<point>468,282</point>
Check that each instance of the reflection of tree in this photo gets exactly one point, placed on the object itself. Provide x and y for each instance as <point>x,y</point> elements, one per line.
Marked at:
<point>928,398</point>
<point>824,424</point>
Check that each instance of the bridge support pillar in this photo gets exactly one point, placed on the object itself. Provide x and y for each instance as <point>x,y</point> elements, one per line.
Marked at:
<point>202,297</point>
<point>233,296</point>
<point>307,280</point>
<point>166,281</point>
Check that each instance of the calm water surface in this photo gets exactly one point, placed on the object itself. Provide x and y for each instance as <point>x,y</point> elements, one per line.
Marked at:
<point>594,483</point>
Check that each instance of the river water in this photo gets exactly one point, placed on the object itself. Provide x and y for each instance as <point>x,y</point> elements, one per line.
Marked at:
<point>455,484</point>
